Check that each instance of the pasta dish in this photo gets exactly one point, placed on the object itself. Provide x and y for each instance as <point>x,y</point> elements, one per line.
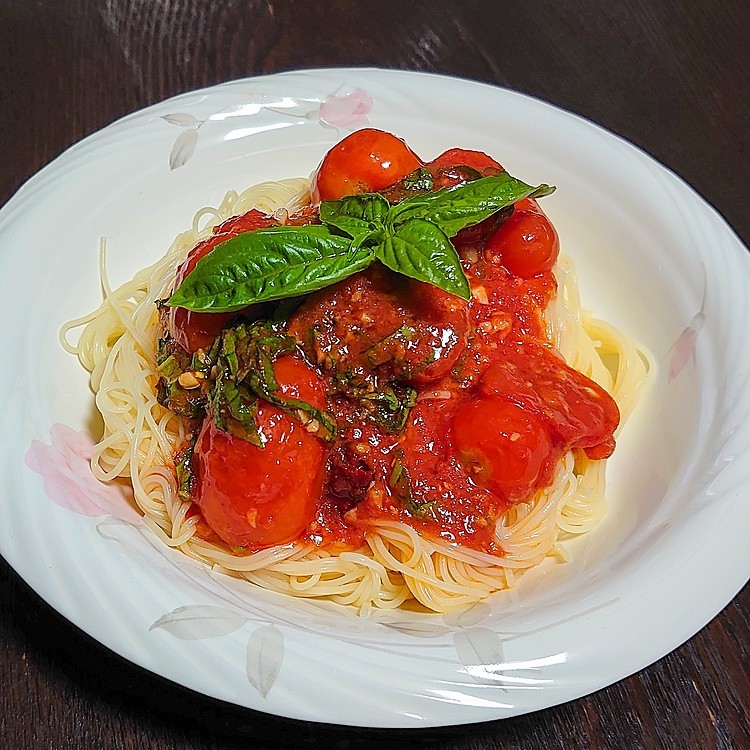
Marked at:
<point>376,387</point>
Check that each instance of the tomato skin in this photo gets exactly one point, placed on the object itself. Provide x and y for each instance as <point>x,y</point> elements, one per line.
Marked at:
<point>528,204</point>
<point>578,412</point>
<point>259,497</point>
<point>197,330</point>
<point>526,244</point>
<point>462,157</point>
<point>366,161</point>
<point>505,448</point>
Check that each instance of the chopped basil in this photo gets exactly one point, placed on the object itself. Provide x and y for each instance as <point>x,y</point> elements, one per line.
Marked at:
<point>400,484</point>
<point>172,362</point>
<point>392,346</point>
<point>390,406</point>
<point>184,468</point>
<point>385,404</point>
<point>242,372</point>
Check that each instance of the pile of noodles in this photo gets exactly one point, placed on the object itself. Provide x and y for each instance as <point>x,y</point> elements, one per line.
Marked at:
<point>118,347</point>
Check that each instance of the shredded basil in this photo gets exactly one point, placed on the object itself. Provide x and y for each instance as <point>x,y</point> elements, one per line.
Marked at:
<point>242,372</point>
<point>184,467</point>
<point>172,362</point>
<point>400,484</point>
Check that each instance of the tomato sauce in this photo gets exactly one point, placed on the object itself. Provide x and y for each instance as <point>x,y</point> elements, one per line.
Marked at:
<point>448,411</point>
<point>480,354</point>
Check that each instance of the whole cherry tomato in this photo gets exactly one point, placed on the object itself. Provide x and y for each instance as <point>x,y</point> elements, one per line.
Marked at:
<point>503,447</point>
<point>526,244</point>
<point>259,497</point>
<point>196,330</point>
<point>366,161</point>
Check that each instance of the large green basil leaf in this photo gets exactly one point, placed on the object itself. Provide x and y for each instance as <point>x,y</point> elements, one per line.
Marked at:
<point>269,264</point>
<point>466,204</point>
<point>357,215</point>
<point>421,250</point>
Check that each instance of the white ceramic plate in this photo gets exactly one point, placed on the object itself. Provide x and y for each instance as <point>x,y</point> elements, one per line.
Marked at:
<point>652,257</point>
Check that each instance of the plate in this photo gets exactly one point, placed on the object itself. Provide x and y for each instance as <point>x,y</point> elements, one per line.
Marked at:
<point>653,258</point>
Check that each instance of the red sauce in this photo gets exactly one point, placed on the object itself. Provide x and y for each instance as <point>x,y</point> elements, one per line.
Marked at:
<point>493,408</point>
<point>497,360</point>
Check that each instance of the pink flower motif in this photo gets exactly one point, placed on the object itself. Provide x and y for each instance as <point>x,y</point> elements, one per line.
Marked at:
<point>683,350</point>
<point>349,111</point>
<point>65,467</point>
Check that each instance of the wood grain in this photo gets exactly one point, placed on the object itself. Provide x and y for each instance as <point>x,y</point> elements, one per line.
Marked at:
<point>671,76</point>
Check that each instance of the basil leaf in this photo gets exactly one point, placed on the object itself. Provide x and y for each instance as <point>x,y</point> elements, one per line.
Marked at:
<point>269,264</point>
<point>357,215</point>
<point>466,204</point>
<point>421,250</point>
<point>410,238</point>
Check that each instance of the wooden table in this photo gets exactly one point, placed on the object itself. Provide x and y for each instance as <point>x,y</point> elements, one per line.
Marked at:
<point>672,77</point>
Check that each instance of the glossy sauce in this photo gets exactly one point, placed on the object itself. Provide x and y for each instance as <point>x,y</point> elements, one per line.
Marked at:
<point>489,350</point>
<point>448,411</point>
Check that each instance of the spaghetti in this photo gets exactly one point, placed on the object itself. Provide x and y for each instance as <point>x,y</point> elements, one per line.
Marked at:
<point>396,562</point>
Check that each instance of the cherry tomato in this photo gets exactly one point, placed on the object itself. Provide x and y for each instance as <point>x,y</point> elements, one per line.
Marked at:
<point>528,204</point>
<point>368,160</point>
<point>503,447</point>
<point>197,330</point>
<point>526,244</point>
<point>461,157</point>
<point>579,413</point>
<point>259,497</point>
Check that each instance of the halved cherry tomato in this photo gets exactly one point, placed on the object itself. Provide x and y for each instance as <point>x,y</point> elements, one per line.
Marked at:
<point>503,447</point>
<point>368,160</point>
<point>461,157</point>
<point>526,244</point>
<point>196,330</point>
<point>258,497</point>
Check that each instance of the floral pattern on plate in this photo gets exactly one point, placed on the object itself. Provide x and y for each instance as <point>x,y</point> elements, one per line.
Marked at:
<point>338,111</point>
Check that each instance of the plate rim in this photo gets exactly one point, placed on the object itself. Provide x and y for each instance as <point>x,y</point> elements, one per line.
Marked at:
<point>71,153</point>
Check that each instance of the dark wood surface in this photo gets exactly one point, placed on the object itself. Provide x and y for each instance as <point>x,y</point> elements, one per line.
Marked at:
<point>672,76</point>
